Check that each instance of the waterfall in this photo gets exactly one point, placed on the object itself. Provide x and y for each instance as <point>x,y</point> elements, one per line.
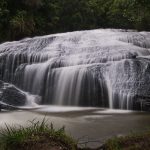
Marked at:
<point>100,68</point>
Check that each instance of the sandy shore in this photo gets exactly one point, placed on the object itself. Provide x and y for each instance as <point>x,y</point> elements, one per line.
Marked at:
<point>87,124</point>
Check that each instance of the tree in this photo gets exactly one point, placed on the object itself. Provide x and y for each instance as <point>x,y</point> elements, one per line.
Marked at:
<point>39,17</point>
<point>21,25</point>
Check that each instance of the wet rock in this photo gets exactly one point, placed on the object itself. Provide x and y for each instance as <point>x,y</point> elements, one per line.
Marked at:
<point>10,95</point>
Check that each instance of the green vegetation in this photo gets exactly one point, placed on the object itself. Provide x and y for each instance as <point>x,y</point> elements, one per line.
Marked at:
<point>22,18</point>
<point>37,136</point>
<point>41,135</point>
<point>132,142</point>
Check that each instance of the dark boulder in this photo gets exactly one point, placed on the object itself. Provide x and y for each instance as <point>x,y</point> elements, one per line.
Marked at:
<point>11,95</point>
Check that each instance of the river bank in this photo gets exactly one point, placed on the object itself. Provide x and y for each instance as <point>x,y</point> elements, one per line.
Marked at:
<point>90,126</point>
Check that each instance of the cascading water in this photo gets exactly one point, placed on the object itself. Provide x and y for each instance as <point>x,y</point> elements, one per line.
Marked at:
<point>104,68</point>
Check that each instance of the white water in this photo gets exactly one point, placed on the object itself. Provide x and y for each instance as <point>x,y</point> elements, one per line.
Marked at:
<point>106,68</point>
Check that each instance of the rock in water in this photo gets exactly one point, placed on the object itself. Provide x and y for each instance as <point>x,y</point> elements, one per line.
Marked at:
<point>14,97</point>
<point>105,68</point>
<point>11,95</point>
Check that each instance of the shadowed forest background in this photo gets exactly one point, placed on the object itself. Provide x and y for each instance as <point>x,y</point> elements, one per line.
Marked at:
<point>24,18</point>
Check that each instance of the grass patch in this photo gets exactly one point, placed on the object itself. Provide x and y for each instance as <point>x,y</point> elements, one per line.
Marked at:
<point>131,142</point>
<point>42,136</point>
<point>39,135</point>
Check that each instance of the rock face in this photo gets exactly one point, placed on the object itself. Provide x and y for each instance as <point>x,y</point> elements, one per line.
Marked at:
<point>104,68</point>
<point>11,95</point>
